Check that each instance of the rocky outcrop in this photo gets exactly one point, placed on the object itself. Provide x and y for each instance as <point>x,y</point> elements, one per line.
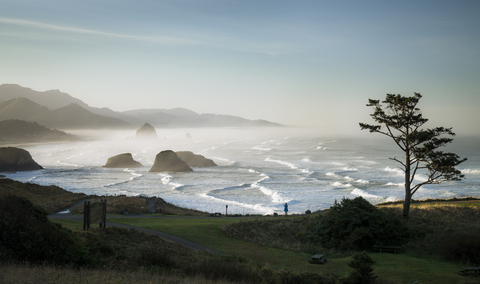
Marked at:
<point>122,161</point>
<point>194,160</point>
<point>168,161</point>
<point>146,131</point>
<point>15,159</point>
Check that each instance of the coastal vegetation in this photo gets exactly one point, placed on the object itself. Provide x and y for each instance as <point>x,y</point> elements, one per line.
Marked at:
<point>258,249</point>
<point>401,120</point>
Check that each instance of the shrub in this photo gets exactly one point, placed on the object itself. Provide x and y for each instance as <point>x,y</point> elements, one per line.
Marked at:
<point>26,234</point>
<point>460,247</point>
<point>357,224</point>
<point>363,271</point>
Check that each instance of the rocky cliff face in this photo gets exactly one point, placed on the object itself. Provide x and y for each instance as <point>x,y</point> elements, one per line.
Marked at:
<point>15,159</point>
<point>194,160</point>
<point>146,131</point>
<point>122,161</point>
<point>168,161</point>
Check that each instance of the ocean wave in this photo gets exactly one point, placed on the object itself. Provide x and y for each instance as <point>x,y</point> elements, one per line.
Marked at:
<point>363,193</point>
<point>230,188</point>
<point>396,184</point>
<point>362,181</point>
<point>343,185</point>
<point>135,176</point>
<point>291,165</point>
<point>176,186</point>
<point>470,171</point>
<point>257,207</point>
<point>393,170</point>
<point>274,195</point>
<point>391,198</point>
<point>347,169</point>
<point>261,148</point>
<point>230,162</point>
<point>288,164</point>
<point>165,178</point>
<point>67,164</point>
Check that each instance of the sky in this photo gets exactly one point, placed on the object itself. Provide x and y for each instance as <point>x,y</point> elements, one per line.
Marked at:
<point>292,62</point>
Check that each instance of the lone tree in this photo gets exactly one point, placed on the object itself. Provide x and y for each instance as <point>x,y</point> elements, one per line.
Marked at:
<point>403,120</point>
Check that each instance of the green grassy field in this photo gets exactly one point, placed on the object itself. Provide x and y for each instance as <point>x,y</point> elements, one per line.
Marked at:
<point>407,267</point>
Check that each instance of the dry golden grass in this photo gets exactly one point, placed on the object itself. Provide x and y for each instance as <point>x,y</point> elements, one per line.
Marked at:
<point>133,204</point>
<point>51,198</point>
<point>54,199</point>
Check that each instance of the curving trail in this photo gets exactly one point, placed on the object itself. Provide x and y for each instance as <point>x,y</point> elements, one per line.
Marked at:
<point>169,237</point>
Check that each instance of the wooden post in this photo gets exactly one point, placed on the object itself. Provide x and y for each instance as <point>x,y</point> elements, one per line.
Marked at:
<point>85,215</point>
<point>88,215</point>
<point>226,210</point>
<point>104,213</point>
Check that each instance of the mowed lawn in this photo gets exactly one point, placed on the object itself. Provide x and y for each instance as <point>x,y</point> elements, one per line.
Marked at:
<point>406,267</point>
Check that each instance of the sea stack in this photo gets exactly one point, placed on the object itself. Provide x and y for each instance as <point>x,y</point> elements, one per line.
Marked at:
<point>146,131</point>
<point>15,159</point>
<point>168,161</point>
<point>122,161</point>
<point>194,160</point>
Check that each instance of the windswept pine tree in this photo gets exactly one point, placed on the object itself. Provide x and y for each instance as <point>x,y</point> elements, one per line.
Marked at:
<point>401,120</point>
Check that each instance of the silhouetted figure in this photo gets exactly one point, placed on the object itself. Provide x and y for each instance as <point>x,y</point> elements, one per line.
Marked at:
<point>285,208</point>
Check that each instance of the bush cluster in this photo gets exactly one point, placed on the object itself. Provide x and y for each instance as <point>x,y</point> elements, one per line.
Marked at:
<point>356,224</point>
<point>27,235</point>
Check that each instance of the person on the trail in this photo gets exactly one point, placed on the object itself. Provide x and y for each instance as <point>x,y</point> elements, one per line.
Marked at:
<point>285,208</point>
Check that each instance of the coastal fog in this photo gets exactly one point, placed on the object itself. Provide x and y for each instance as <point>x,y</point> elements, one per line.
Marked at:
<point>258,169</point>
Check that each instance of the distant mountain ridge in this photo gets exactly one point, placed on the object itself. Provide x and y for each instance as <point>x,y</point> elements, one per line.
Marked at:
<point>19,131</point>
<point>56,109</point>
<point>72,116</point>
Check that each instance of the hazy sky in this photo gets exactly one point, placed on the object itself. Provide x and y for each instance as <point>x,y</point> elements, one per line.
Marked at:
<point>293,62</point>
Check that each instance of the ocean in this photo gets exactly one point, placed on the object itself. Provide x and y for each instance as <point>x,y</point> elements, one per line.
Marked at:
<point>259,170</point>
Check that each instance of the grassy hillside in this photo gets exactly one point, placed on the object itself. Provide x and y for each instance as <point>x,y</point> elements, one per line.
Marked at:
<point>441,239</point>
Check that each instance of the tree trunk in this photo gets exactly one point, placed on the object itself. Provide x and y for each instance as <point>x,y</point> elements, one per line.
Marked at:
<point>406,203</point>
<point>408,192</point>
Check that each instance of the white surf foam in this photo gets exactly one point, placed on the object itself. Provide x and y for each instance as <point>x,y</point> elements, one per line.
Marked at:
<point>363,193</point>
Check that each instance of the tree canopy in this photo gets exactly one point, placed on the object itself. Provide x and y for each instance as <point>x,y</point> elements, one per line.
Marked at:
<point>400,119</point>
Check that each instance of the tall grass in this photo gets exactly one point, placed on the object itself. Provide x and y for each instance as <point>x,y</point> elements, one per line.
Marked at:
<point>276,233</point>
<point>449,231</point>
<point>11,273</point>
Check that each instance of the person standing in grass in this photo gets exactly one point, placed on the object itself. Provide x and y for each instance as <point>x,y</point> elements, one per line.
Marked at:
<point>285,208</point>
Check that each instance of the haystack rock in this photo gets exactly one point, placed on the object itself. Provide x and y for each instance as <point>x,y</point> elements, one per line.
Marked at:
<point>194,160</point>
<point>122,161</point>
<point>168,161</point>
<point>15,159</point>
<point>146,131</point>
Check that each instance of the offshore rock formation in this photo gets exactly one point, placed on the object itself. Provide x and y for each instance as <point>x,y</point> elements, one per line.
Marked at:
<point>15,159</point>
<point>194,160</point>
<point>168,161</point>
<point>146,131</point>
<point>122,161</point>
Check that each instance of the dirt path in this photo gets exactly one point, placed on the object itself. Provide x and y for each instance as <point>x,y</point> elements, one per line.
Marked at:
<point>169,237</point>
